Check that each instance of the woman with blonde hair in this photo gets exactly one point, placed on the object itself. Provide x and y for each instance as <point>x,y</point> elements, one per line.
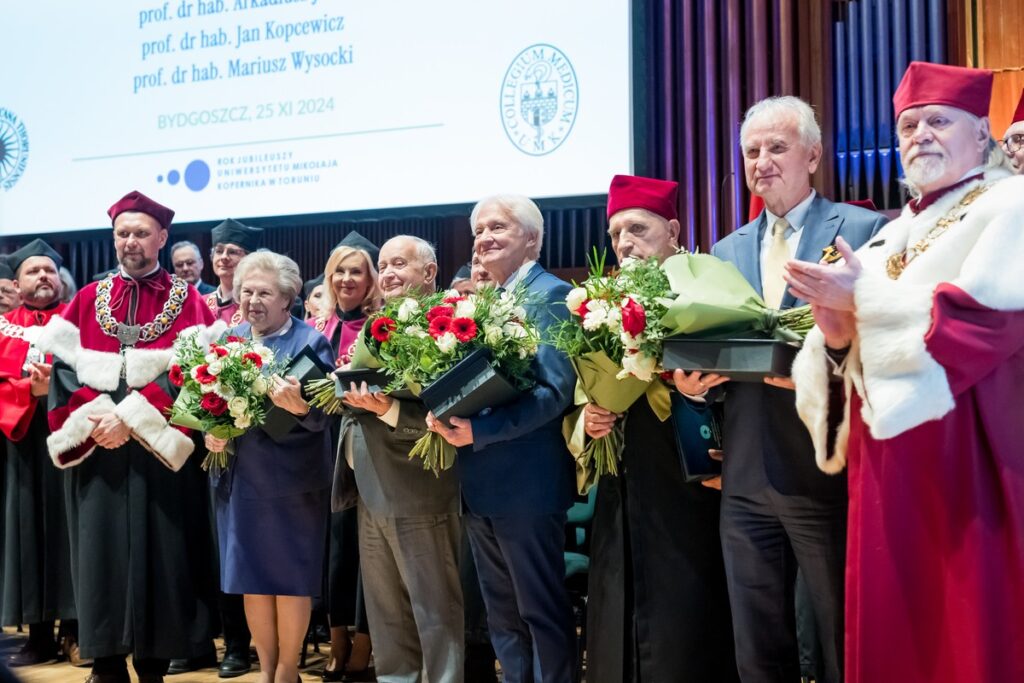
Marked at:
<point>350,294</point>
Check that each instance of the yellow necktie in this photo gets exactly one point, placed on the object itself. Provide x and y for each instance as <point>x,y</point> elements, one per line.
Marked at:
<point>778,254</point>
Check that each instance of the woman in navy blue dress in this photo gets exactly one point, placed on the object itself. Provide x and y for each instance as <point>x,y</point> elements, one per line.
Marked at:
<point>273,499</point>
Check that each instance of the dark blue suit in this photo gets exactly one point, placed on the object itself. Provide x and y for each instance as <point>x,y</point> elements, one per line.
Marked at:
<point>778,510</point>
<point>517,482</point>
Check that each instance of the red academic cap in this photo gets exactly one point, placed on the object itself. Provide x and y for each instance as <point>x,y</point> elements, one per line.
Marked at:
<point>1018,115</point>
<point>955,86</point>
<point>637,192</point>
<point>136,201</point>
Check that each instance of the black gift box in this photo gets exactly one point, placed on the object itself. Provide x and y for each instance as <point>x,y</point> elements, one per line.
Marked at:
<point>697,429</point>
<point>741,360</point>
<point>376,380</point>
<point>307,367</point>
<point>468,388</point>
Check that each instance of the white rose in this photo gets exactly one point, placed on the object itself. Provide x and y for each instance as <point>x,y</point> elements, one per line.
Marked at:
<point>210,357</point>
<point>259,385</point>
<point>215,366</point>
<point>415,331</point>
<point>514,330</point>
<point>447,342</point>
<point>638,365</point>
<point>407,309</point>
<point>465,309</point>
<point>492,334</point>
<point>575,299</point>
<point>243,421</point>
<point>237,406</point>
<point>629,341</point>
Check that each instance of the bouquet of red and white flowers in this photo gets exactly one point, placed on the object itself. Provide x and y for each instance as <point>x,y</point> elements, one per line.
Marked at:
<point>614,339</point>
<point>223,387</point>
<point>418,339</point>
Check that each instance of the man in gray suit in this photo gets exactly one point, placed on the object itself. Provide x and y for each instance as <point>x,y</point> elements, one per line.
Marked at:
<point>409,530</point>
<point>779,512</point>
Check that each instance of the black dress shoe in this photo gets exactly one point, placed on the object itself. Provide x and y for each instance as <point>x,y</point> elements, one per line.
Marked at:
<point>332,676</point>
<point>33,653</point>
<point>234,664</point>
<point>109,678</point>
<point>180,666</point>
<point>366,674</point>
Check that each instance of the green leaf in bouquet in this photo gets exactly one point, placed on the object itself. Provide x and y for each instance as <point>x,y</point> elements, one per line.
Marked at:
<point>712,297</point>
<point>597,374</point>
<point>362,356</point>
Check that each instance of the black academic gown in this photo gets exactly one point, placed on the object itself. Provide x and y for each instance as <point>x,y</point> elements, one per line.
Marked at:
<point>36,570</point>
<point>142,550</point>
<point>658,608</point>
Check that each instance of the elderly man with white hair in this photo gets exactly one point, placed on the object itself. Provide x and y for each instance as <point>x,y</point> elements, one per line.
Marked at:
<point>913,380</point>
<point>779,513</point>
<point>515,470</point>
<point>408,519</point>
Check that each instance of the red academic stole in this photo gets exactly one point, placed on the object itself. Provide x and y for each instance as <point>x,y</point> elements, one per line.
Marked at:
<point>17,405</point>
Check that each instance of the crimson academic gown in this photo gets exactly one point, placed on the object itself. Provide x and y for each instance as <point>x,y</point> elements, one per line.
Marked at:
<point>36,584</point>
<point>230,312</point>
<point>142,548</point>
<point>934,389</point>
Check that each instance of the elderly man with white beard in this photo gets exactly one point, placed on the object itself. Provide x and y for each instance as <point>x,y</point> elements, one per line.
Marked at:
<point>913,381</point>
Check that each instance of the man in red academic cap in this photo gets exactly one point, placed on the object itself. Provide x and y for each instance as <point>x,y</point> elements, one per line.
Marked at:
<point>1013,140</point>
<point>36,586</point>
<point>914,380</point>
<point>670,619</point>
<point>231,242</point>
<point>138,510</point>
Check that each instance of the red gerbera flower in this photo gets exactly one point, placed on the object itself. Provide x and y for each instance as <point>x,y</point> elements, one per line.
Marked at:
<point>464,329</point>
<point>440,312</point>
<point>381,329</point>
<point>439,326</point>
<point>254,358</point>
<point>203,375</point>
<point>213,404</point>
<point>233,338</point>
<point>176,376</point>
<point>634,318</point>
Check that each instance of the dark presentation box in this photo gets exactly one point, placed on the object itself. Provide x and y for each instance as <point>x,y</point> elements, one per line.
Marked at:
<point>468,388</point>
<point>741,360</point>
<point>307,367</point>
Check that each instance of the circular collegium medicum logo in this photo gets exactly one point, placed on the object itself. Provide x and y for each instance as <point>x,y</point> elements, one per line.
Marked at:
<point>539,99</point>
<point>13,148</point>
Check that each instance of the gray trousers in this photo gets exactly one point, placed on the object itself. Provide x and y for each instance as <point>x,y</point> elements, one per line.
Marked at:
<point>410,569</point>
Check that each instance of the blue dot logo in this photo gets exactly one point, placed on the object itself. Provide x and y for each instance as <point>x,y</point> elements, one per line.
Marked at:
<point>197,176</point>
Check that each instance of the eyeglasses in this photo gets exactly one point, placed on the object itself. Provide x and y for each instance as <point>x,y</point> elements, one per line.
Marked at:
<point>225,251</point>
<point>1013,143</point>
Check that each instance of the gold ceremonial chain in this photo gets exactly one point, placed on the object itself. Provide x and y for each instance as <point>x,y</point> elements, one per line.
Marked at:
<point>896,263</point>
<point>130,335</point>
<point>11,330</point>
<point>830,254</point>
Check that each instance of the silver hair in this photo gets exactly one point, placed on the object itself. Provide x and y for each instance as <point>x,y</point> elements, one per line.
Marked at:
<point>289,278</point>
<point>68,287</point>
<point>521,208</point>
<point>185,243</point>
<point>424,249</point>
<point>786,105</point>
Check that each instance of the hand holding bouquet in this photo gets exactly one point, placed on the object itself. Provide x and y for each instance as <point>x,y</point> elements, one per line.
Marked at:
<point>222,388</point>
<point>416,340</point>
<point>613,338</point>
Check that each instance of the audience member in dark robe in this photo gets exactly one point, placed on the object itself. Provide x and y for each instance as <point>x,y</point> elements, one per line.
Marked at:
<point>658,608</point>
<point>36,586</point>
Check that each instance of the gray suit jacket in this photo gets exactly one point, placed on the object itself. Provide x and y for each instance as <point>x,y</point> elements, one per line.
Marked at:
<point>764,439</point>
<point>392,485</point>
